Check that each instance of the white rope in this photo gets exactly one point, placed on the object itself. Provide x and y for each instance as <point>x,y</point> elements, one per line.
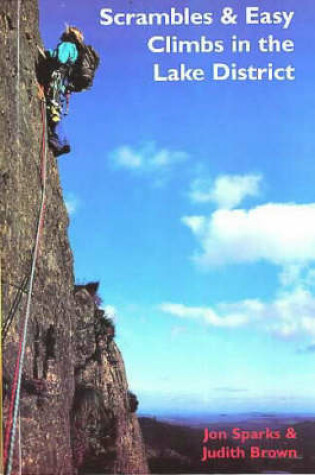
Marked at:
<point>16,412</point>
<point>18,108</point>
<point>20,445</point>
<point>27,315</point>
<point>18,157</point>
<point>18,41</point>
<point>17,94</point>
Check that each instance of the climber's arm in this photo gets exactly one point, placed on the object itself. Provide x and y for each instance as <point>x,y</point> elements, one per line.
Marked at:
<point>42,52</point>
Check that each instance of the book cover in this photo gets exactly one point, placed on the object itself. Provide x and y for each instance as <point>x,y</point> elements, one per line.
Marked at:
<point>157,236</point>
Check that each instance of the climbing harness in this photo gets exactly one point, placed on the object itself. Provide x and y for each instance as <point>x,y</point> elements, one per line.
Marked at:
<point>55,86</point>
<point>13,416</point>
<point>54,105</point>
<point>58,95</point>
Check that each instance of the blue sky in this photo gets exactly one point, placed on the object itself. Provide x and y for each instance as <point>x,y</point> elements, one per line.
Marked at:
<point>193,204</point>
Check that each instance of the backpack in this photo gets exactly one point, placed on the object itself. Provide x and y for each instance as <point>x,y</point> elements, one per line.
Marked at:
<point>82,73</point>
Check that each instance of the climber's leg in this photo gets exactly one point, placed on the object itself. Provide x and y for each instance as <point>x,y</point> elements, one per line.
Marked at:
<point>55,101</point>
<point>57,142</point>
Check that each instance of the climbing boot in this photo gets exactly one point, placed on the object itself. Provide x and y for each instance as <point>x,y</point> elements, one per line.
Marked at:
<point>58,147</point>
<point>63,151</point>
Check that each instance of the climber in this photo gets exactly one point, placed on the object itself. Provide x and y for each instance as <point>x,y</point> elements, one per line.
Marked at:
<point>69,68</point>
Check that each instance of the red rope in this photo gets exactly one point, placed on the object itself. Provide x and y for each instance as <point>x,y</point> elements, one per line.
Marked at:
<point>43,170</point>
<point>9,422</point>
<point>43,144</point>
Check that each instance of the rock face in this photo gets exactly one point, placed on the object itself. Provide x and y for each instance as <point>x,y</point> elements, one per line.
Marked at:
<point>105,429</point>
<point>75,412</point>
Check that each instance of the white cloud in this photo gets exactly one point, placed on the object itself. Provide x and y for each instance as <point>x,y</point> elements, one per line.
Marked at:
<point>110,311</point>
<point>126,157</point>
<point>291,275</point>
<point>294,275</point>
<point>310,277</point>
<point>227,191</point>
<point>283,234</point>
<point>147,158</point>
<point>72,203</point>
<point>195,223</point>
<point>205,314</point>
<point>290,314</point>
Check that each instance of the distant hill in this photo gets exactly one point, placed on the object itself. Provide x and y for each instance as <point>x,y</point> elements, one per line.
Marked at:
<point>175,448</point>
